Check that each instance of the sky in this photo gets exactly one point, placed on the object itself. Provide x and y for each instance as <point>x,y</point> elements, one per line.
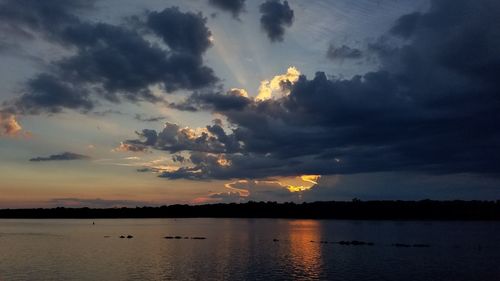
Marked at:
<point>110,103</point>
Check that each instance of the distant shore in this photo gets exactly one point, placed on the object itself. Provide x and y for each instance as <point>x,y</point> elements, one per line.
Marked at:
<point>356,209</point>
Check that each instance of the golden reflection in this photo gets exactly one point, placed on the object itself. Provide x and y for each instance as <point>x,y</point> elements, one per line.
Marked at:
<point>305,249</point>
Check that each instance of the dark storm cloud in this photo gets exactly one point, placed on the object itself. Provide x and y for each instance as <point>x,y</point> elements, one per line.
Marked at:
<point>405,25</point>
<point>275,17</point>
<point>182,32</point>
<point>343,52</point>
<point>113,62</point>
<point>233,6</point>
<point>432,107</point>
<point>61,157</point>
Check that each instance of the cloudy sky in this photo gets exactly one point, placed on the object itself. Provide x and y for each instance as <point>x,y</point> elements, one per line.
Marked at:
<point>124,103</point>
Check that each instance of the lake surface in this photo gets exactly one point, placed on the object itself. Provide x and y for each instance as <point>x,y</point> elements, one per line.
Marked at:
<point>243,249</point>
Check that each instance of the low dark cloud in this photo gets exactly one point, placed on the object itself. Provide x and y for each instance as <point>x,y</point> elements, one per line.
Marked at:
<point>107,112</point>
<point>97,203</point>
<point>343,52</point>
<point>276,16</point>
<point>48,93</point>
<point>233,6</point>
<point>61,157</point>
<point>142,118</point>
<point>111,62</point>
<point>432,107</point>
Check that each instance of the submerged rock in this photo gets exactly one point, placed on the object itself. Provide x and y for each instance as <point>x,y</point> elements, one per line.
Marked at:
<point>198,238</point>
<point>401,245</point>
<point>130,236</point>
<point>121,236</point>
<point>356,243</point>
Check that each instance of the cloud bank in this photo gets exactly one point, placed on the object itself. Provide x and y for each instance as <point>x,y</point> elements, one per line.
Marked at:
<point>110,62</point>
<point>431,107</point>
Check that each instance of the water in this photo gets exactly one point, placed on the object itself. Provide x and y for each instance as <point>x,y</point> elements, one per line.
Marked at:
<point>243,249</point>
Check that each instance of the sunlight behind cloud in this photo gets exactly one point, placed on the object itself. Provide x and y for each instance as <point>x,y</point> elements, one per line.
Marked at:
<point>284,187</point>
<point>312,179</point>
<point>271,88</point>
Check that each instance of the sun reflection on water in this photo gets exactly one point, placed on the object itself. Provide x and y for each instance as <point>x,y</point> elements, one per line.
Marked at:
<point>304,248</point>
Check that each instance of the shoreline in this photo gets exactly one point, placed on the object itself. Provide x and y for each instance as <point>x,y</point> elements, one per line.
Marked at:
<point>425,210</point>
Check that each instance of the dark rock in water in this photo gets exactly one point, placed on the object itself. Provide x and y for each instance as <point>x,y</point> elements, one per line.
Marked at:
<point>169,237</point>
<point>178,237</point>
<point>130,236</point>
<point>122,236</point>
<point>275,240</point>
<point>421,245</point>
<point>186,237</point>
<point>323,242</point>
<point>198,238</point>
<point>356,243</point>
<point>312,241</point>
<point>400,245</point>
